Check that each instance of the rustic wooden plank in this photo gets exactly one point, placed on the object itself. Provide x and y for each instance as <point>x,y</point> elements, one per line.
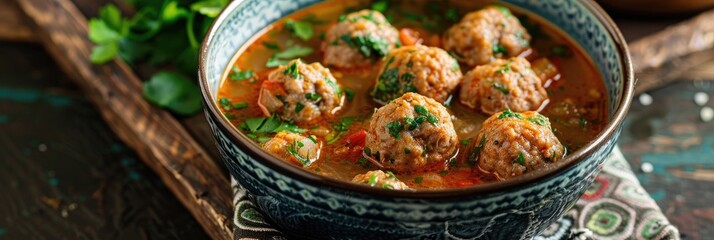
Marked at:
<point>15,26</point>
<point>154,134</point>
<point>663,57</point>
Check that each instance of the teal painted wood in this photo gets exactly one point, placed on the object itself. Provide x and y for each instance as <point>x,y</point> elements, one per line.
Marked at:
<point>304,209</point>
<point>63,173</point>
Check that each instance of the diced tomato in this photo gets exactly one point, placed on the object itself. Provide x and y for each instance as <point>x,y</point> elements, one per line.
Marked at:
<point>409,37</point>
<point>357,139</point>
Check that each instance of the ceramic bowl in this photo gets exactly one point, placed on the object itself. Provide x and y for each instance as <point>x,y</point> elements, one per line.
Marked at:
<point>305,205</point>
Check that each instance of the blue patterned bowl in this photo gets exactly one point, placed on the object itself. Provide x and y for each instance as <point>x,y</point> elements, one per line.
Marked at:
<point>306,205</point>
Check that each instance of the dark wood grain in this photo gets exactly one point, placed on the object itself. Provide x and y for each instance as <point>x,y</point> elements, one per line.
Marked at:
<point>63,173</point>
<point>663,57</point>
<point>156,136</point>
<point>13,23</point>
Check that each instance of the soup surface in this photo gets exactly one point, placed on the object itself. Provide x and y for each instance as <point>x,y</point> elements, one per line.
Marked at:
<point>575,103</point>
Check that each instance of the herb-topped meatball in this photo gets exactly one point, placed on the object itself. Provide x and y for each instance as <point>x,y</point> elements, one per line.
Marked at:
<point>486,35</point>
<point>359,39</point>
<point>301,92</point>
<point>510,144</point>
<point>380,179</point>
<point>294,148</point>
<point>503,84</point>
<point>410,133</point>
<point>429,71</point>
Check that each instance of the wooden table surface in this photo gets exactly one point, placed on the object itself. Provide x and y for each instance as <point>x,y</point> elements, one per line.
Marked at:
<point>65,175</point>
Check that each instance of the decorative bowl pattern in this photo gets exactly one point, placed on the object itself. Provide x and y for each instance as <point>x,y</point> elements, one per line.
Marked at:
<point>305,205</point>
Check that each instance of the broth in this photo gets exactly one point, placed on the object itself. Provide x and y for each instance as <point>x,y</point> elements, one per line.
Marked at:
<point>576,107</point>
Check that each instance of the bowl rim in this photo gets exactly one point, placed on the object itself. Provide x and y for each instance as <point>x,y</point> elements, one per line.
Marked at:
<point>299,174</point>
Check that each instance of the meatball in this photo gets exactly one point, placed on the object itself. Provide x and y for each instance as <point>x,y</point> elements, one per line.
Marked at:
<point>381,180</point>
<point>359,39</point>
<point>510,144</point>
<point>486,35</point>
<point>301,92</point>
<point>294,148</point>
<point>411,133</point>
<point>503,84</point>
<point>429,71</point>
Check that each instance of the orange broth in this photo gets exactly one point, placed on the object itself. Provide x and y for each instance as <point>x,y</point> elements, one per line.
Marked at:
<point>577,107</point>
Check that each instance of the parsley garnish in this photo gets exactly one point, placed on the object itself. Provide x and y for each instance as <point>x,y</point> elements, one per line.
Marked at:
<point>538,119</point>
<point>350,94</point>
<point>341,127</point>
<point>509,114</point>
<point>395,128</point>
<point>521,159</point>
<point>500,87</point>
<point>271,45</point>
<point>388,85</point>
<point>238,75</point>
<point>273,124</point>
<point>387,186</point>
<point>452,15</point>
<point>369,46</point>
<point>380,6</point>
<point>418,179</point>
<point>293,149</point>
<point>465,142</point>
<point>372,180</point>
<point>583,123</point>
<point>293,70</point>
<point>473,157</point>
<point>299,107</point>
<point>284,57</point>
<point>499,49</point>
<point>407,151</point>
<point>421,110</point>
<point>300,29</point>
<point>313,96</point>
<point>228,105</point>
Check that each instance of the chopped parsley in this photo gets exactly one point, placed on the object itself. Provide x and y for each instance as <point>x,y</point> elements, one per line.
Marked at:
<point>410,123</point>
<point>407,151</point>
<point>538,119</point>
<point>350,94</point>
<point>293,70</point>
<point>421,110</point>
<point>395,128</point>
<point>387,186</point>
<point>418,179</point>
<point>521,159</point>
<point>473,157</point>
<point>500,87</point>
<point>499,49</point>
<point>410,64</point>
<point>299,107</point>
<point>504,10</point>
<point>369,46</point>
<point>313,96</point>
<point>293,149</point>
<point>391,175</point>
<point>284,57</point>
<point>388,86</point>
<point>505,68</point>
<point>334,86</point>
<point>300,29</point>
<point>380,6</point>
<point>509,114</point>
<point>341,127</point>
<point>444,172</point>
<point>465,142</point>
<point>273,124</point>
<point>238,75</point>
<point>342,18</point>
<point>271,45</point>
<point>372,180</point>
<point>583,123</point>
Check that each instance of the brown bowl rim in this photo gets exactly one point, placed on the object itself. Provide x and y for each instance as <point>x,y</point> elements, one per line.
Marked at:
<point>302,175</point>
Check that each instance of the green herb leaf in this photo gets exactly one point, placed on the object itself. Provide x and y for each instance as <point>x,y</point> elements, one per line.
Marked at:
<point>174,92</point>
<point>418,179</point>
<point>294,149</point>
<point>299,107</point>
<point>313,96</point>
<point>300,29</point>
<point>499,49</point>
<point>452,15</point>
<point>509,114</point>
<point>380,6</point>
<point>539,119</point>
<point>100,32</point>
<point>350,94</point>
<point>395,128</point>
<point>294,52</point>
<point>271,45</point>
<point>501,88</point>
<point>172,12</point>
<point>421,110</point>
<point>407,151</point>
<point>238,75</point>
<point>372,180</point>
<point>465,142</point>
<point>103,53</point>
<point>209,8</point>
<point>293,71</point>
<point>521,159</point>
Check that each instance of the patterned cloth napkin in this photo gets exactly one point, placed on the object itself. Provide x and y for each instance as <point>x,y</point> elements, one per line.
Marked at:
<point>614,207</point>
